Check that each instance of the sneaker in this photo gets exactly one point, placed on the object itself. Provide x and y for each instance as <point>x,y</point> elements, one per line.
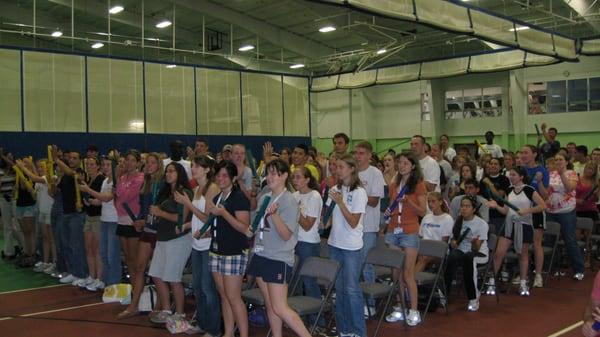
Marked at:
<point>50,268</point>
<point>491,288</point>
<point>473,305</point>
<point>100,285</point>
<point>538,281</point>
<point>516,280</point>
<point>88,280</point>
<point>38,264</point>
<point>39,267</point>
<point>524,289</point>
<point>369,311</point>
<point>79,282</point>
<point>95,286</point>
<point>68,278</point>
<point>161,317</point>
<point>578,276</point>
<point>395,316</point>
<point>442,298</point>
<point>413,317</point>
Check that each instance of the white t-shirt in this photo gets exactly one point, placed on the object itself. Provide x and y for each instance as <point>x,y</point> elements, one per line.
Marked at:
<point>435,227</point>
<point>450,153</point>
<point>109,212</point>
<point>197,224</point>
<point>44,200</point>
<point>309,204</point>
<point>343,236</point>
<point>561,201</point>
<point>372,181</point>
<point>479,228</point>
<point>494,149</point>
<point>431,171</point>
<point>186,165</point>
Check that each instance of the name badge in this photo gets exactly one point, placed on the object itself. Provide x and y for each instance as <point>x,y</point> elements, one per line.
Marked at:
<point>398,230</point>
<point>258,248</point>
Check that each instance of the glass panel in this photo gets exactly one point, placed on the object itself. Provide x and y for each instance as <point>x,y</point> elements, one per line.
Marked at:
<point>425,110</point>
<point>557,92</point>
<point>492,102</point>
<point>10,90</point>
<point>170,106</point>
<point>54,92</point>
<point>115,94</point>
<point>262,104</point>
<point>454,104</point>
<point>537,98</point>
<point>295,100</point>
<point>473,103</point>
<point>595,93</point>
<point>219,109</point>
<point>578,100</point>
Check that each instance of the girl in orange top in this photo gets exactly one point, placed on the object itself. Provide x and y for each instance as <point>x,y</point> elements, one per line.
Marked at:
<point>403,228</point>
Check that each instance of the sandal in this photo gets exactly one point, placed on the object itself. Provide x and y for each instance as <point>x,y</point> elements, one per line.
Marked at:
<point>127,314</point>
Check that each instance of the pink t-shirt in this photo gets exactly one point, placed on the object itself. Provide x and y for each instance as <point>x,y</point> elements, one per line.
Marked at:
<point>128,191</point>
<point>561,201</point>
<point>596,288</point>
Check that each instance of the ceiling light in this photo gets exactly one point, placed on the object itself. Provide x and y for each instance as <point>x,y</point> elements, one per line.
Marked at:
<point>171,66</point>
<point>381,51</point>
<point>57,33</point>
<point>116,9</point>
<point>327,29</point>
<point>297,66</point>
<point>246,47</point>
<point>97,45</point>
<point>518,28</point>
<point>163,24</point>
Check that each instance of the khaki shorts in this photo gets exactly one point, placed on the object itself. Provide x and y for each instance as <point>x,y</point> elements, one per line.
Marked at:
<point>92,223</point>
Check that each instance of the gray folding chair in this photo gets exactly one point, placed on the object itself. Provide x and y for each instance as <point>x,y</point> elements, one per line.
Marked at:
<point>436,249</point>
<point>587,226</point>
<point>387,258</point>
<point>483,271</point>
<point>553,232</point>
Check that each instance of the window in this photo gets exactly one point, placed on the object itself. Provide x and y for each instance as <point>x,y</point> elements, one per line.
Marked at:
<point>474,103</point>
<point>564,96</point>
<point>595,93</point>
<point>425,110</point>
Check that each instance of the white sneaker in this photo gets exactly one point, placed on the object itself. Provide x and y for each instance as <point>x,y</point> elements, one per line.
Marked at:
<point>413,317</point>
<point>39,263</point>
<point>524,289</point>
<point>395,316</point>
<point>538,281</point>
<point>50,269</point>
<point>516,280</point>
<point>491,288</point>
<point>100,285</point>
<point>578,276</point>
<point>68,278</point>
<point>93,286</point>
<point>80,282</point>
<point>473,305</point>
<point>88,280</point>
<point>39,267</point>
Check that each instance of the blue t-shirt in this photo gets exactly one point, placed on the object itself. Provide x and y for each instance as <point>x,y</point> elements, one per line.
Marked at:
<point>532,171</point>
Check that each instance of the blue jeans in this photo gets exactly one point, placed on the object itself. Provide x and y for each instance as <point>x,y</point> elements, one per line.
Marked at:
<point>304,250</point>
<point>349,302</point>
<point>74,245</point>
<point>567,222</point>
<point>57,231</point>
<point>110,253</point>
<point>208,303</point>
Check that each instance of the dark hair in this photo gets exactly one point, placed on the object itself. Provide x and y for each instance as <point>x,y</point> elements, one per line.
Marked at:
<point>95,159</point>
<point>445,135</point>
<point>423,141</point>
<point>176,149</point>
<point>533,148</point>
<point>365,145</point>
<point>302,147</point>
<point>286,149</point>
<point>457,229</point>
<point>342,135</point>
<point>522,172</point>
<point>312,182</point>
<point>471,168</point>
<point>415,175</point>
<point>281,167</point>
<point>472,182</point>
<point>489,133</point>
<point>206,162</point>
<point>135,153</point>
<point>582,149</point>
<point>201,140</point>
<point>553,129</point>
<point>230,168</point>
<point>181,183</point>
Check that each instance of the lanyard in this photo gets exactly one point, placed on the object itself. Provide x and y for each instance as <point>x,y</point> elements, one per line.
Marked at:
<point>264,216</point>
<point>217,205</point>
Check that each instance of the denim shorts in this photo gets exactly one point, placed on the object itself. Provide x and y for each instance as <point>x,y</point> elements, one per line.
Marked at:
<point>25,211</point>
<point>403,240</point>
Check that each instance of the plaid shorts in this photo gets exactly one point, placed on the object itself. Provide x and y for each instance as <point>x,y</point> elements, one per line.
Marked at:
<point>228,264</point>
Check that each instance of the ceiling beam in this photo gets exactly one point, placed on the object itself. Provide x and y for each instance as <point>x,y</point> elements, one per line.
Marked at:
<point>583,8</point>
<point>274,34</point>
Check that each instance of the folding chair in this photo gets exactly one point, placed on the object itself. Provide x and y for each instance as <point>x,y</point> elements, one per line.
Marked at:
<point>587,226</point>
<point>436,249</point>
<point>322,269</point>
<point>252,294</point>
<point>553,232</point>
<point>483,271</point>
<point>388,258</point>
<point>324,249</point>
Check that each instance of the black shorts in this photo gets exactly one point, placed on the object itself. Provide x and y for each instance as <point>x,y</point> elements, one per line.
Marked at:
<point>271,271</point>
<point>539,220</point>
<point>527,234</point>
<point>127,231</point>
<point>588,214</point>
<point>149,238</point>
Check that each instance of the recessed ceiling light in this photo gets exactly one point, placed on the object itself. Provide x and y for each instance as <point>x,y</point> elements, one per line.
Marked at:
<point>116,9</point>
<point>381,51</point>
<point>246,47</point>
<point>97,45</point>
<point>57,33</point>
<point>327,29</point>
<point>170,66</point>
<point>163,24</point>
<point>518,28</point>
<point>297,66</point>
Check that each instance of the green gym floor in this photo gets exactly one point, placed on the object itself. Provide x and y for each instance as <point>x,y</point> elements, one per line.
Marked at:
<point>14,278</point>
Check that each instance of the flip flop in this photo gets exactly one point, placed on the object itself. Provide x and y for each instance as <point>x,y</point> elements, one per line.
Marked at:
<point>127,314</point>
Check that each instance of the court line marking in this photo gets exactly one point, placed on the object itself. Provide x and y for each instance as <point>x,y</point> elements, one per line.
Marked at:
<point>51,311</point>
<point>567,329</point>
<point>30,289</point>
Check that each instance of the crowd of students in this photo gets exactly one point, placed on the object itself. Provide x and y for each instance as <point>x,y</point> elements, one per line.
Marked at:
<point>88,218</point>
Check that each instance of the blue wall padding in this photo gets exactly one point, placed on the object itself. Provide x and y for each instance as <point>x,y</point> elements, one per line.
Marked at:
<point>35,143</point>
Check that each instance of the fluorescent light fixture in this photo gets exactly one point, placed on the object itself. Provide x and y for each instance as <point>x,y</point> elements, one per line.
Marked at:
<point>97,45</point>
<point>518,28</point>
<point>116,9</point>
<point>163,24</point>
<point>57,33</point>
<point>246,47</point>
<point>381,51</point>
<point>171,66</point>
<point>327,29</point>
<point>555,96</point>
<point>136,124</point>
<point>297,66</point>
